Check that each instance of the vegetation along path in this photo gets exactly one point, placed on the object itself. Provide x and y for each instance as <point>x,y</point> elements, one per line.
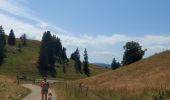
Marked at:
<point>35,92</point>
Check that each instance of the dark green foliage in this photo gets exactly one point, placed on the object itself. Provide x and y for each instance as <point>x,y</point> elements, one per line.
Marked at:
<point>73,55</point>
<point>24,39</point>
<point>57,48</point>
<point>11,38</point>
<point>86,64</point>
<point>2,45</point>
<point>46,62</point>
<point>64,56</point>
<point>64,59</point>
<point>77,63</point>
<point>3,37</point>
<point>115,64</point>
<point>133,52</point>
<point>60,52</point>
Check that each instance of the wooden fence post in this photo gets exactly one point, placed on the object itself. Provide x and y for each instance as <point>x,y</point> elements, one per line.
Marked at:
<point>80,86</point>
<point>66,85</point>
<point>17,79</point>
<point>87,90</point>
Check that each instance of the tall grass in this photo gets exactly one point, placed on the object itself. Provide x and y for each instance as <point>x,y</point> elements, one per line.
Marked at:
<point>10,90</point>
<point>71,91</point>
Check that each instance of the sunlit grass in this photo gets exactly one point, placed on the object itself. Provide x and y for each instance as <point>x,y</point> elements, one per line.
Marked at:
<point>147,79</point>
<point>24,63</point>
<point>10,90</point>
<point>72,91</point>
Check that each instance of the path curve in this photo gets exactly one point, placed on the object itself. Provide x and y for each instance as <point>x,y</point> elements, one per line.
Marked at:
<point>35,92</point>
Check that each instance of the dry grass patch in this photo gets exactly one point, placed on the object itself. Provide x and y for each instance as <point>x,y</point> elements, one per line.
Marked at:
<point>10,90</point>
<point>147,79</point>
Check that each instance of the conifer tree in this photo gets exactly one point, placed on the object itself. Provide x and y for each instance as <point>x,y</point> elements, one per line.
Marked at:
<point>115,64</point>
<point>64,59</point>
<point>86,64</point>
<point>57,48</point>
<point>73,55</point>
<point>43,57</point>
<point>46,62</point>
<point>11,38</point>
<point>77,63</point>
<point>51,54</point>
<point>24,39</point>
<point>2,45</point>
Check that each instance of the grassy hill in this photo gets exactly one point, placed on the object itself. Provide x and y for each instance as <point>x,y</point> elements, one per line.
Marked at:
<point>25,62</point>
<point>147,79</point>
<point>148,70</point>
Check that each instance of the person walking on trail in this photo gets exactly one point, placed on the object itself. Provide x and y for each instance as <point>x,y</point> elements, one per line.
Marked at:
<point>44,88</point>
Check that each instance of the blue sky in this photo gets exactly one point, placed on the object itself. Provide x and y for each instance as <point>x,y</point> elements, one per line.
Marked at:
<point>132,17</point>
<point>101,26</point>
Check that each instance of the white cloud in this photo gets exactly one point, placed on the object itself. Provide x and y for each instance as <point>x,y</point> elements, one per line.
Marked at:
<point>15,8</point>
<point>154,43</point>
<point>20,27</point>
<point>43,25</point>
<point>99,40</point>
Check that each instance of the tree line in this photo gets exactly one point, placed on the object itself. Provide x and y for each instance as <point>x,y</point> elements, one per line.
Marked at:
<point>52,51</point>
<point>77,63</point>
<point>9,40</point>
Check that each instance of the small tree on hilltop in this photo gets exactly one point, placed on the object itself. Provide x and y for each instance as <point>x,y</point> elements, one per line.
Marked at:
<point>115,64</point>
<point>24,39</point>
<point>133,52</point>
<point>86,64</point>
<point>11,38</point>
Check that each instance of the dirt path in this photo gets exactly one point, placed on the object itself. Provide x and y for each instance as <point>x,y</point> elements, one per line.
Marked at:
<point>35,92</point>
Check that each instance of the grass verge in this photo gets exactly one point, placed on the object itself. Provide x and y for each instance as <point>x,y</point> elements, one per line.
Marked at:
<point>72,91</point>
<point>10,90</point>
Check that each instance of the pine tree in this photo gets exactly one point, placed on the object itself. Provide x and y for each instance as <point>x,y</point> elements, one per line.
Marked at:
<point>24,39</point>
<point>46,62</point>
<point>2,45</point>
<point>43,57</point>
<point>64,59</point>
<point>11,38</point>
<point>86,64</point>
<point>115,64</point>
<point>73,56</point>
<point>133,52</point>
<point>57,48</point>
<point>77,63</point>
<point>51,54</point>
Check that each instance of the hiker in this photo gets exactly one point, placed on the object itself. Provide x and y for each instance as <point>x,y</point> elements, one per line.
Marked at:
<point>44,88</point>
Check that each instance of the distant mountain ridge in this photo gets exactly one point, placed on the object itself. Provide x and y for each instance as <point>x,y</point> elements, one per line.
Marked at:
<point>102,64</point>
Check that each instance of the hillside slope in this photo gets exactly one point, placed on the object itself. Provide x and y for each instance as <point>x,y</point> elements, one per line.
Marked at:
<point>25,62</point>
<point>147,79</point>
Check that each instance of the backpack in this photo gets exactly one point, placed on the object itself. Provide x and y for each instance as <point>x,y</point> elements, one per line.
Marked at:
<point>45,86</point>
